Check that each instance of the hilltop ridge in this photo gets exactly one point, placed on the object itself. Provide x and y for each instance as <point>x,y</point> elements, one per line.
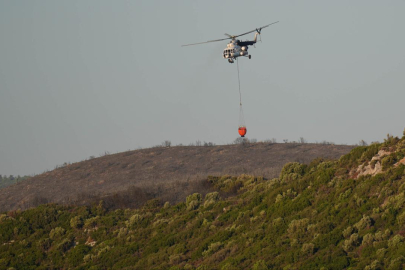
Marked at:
<point>169,173</point>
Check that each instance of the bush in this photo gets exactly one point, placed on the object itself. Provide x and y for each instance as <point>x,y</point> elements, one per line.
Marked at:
<point>176,258</point>
<point>76,222</point>
<point>44,244</point>
<point>353,158</point>
<point>308,248</point>
<point>298,226</point>
<point>260,265</point>
<point>351,243</point>
<point>91,222</point>
<point>375,265</point>
<point>214,247</point>
<point>387,162</point>
<point>135,219</point>
<point>65,245</point>
<point>57,233</point>
<point>348,231</point>
<point>394,241</point>
<point>365,222</point>
<point>292,171</point>
<point>397,263</point>
<point>152,204</point>
<point>211,199</point>
<point>76,255</point>
<point>401,218</point>
<point>193,201</point>
<point>368,240</point>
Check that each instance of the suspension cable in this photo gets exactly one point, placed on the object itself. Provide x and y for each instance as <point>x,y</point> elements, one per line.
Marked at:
<point>241,116</point>
<point>240,94</point>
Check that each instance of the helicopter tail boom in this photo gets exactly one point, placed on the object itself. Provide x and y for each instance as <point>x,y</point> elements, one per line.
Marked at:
<point>255,38</point>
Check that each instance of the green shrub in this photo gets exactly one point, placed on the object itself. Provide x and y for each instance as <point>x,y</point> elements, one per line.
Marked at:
<point>64,245</point>
<point>153,204</point>
<point>91,223</point>
<point>368,239</point>
<point>401,218</point>
<point>292,171</point>
<point>44,244</point>
<point>298,227</point>
<point>4,217</point>
<point>212,248</point>
<point>365,222</point>
<point>193,201</point>
<point>166,205</point>
<point>76,255</point>
<point>176,259</point>
<point>394,241</point>
<point>390,140</point>
<point>133,220</point>
<point>56,233</point>
<point>211,199</point>
<point>353,158</point>
<point>348,232</point>
<point>351,243</point>
<point>375,265</point>
<point>397,263</point>
<point>76,222</point>
<point>260,265</point>
<point>370,152</point>
<point>308,248</point>
<point>387,162</point>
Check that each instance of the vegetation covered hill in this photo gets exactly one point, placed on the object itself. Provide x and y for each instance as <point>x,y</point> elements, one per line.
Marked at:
<point>329,214</point>
<point>131,178</point>
<point>10,180</point>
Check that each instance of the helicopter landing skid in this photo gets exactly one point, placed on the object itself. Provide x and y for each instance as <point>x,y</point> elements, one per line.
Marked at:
<point>230,61</point>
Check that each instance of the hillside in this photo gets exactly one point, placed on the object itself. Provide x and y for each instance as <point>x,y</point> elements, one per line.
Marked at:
<point>8,181</point>
<point>130,178</point>
<point>342,214</point>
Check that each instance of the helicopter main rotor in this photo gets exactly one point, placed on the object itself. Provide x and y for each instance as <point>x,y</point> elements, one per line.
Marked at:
<point>258,30</point>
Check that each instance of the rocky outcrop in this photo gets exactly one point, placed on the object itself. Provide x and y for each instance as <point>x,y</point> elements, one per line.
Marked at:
<point>374,166</point>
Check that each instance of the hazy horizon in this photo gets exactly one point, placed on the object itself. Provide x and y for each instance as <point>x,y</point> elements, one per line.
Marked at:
<point>78,78</point>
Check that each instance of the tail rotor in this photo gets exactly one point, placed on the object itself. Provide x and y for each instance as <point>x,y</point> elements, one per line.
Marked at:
<point>259,31</point>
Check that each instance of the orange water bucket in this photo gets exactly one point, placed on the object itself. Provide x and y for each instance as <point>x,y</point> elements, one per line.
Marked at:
<point>242,131</point>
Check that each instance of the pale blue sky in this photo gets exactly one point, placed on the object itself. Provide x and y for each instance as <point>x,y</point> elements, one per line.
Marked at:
<point>78,78</point>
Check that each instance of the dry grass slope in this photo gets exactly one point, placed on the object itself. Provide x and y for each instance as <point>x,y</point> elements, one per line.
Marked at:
<point>130,178</point>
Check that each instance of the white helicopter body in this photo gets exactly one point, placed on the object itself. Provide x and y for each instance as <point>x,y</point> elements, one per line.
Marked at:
<point>236,48</point>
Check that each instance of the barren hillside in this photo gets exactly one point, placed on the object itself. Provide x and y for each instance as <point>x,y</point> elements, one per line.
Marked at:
<point>166,173</point>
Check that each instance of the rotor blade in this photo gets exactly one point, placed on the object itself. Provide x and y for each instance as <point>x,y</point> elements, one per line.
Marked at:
<point>229,36</point>
<point>205,42</point>
<point>257,28</point>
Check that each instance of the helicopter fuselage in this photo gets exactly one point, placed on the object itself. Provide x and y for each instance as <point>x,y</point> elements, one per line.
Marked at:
<point>237,48</point>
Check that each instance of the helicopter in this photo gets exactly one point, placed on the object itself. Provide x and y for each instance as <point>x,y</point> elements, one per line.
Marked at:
<point>236,48</point>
